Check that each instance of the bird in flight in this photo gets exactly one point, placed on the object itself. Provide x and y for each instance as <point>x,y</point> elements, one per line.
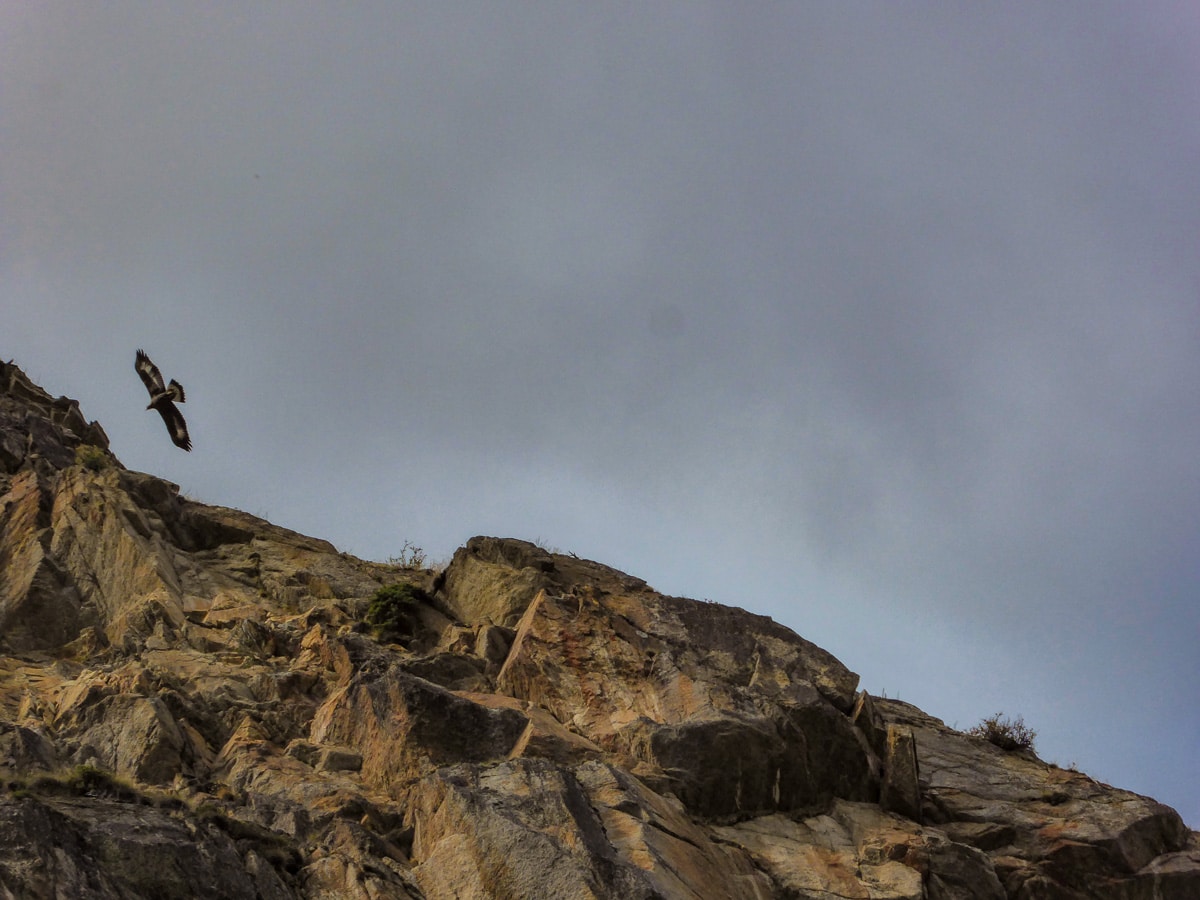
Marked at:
<point>163,398</point>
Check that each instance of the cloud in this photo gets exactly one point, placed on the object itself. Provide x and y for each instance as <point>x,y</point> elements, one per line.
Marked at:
<point>881,322</point>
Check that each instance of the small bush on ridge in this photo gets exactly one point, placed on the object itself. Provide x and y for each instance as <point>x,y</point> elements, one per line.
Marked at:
<point>91,457</point>
<point>1005,733</point>
<point>410,557</point>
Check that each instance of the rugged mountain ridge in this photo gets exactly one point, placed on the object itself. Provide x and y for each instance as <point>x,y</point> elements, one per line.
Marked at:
<point>195,702</point>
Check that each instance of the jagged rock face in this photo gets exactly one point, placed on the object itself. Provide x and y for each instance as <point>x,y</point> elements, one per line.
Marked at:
<point>725,711</point>
<point>545,727</point>
<point>91,848</point>
<point>1042,826</point>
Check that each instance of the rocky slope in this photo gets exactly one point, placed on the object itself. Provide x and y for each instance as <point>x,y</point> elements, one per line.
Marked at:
<point>195,702</point>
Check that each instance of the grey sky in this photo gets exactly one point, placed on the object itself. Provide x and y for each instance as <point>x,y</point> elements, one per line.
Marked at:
<point>880,319</point>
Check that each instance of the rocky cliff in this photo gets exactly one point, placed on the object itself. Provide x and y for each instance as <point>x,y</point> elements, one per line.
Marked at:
<point>195,702</point>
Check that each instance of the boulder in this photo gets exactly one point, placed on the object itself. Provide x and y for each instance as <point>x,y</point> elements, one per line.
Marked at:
<point>490,581</point>
<point>901,790</point>
<point>729,713</point>
<point>40,604</point>
<point>544,831</point>
<point>858,851</point>
<point>405,726</point>
<point>1051,831</point>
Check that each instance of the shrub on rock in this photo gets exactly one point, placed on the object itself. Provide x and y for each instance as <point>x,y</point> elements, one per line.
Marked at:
<point>1005,733</point>
<point>393,611</point>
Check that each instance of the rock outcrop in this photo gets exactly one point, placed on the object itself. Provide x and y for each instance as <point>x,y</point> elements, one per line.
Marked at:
<point>194,703</point>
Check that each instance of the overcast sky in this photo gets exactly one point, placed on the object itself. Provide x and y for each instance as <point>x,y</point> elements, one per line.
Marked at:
<point>879,319</point>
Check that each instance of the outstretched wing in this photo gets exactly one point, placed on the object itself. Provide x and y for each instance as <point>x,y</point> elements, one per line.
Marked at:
<point>176,427</point>
<point>151,377</point>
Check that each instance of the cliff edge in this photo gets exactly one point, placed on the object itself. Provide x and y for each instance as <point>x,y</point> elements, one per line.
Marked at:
<point>196,702</point>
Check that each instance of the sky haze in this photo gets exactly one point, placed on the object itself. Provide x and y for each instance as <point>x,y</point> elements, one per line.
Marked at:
<point>882,320</point>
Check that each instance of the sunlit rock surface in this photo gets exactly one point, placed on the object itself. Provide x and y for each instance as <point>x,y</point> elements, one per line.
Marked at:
<point>192,704</point>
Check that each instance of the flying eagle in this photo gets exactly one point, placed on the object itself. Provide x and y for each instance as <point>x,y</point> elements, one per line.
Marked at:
<point>163,398</point>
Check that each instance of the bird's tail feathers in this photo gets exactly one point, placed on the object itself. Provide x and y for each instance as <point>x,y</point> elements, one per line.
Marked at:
<point>175,389</point>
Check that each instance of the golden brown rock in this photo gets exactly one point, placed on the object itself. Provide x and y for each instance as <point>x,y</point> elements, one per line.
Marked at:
<point>192,704</point>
